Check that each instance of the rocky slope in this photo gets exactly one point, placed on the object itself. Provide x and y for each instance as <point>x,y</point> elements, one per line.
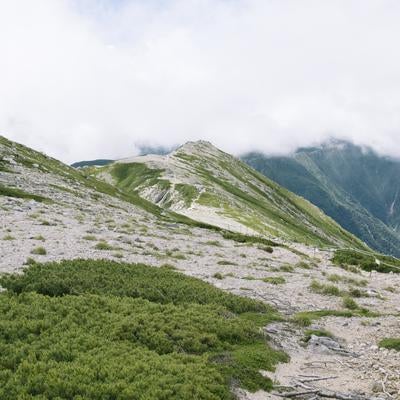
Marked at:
<point>356,187</point>
<point>208,185</point>
<point>45,204</point>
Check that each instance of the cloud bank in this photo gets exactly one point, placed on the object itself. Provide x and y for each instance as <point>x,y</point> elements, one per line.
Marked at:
<point>83,79</point>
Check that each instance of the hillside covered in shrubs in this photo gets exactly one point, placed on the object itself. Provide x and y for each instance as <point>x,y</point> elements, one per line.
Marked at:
<point>98,329</point>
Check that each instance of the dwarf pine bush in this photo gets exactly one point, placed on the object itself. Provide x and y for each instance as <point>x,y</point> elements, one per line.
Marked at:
<point>87,329</point>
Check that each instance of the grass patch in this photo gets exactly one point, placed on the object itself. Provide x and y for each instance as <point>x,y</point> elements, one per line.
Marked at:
<point>321,288</point>
<point>39,237</point>
<point>89,237</point>
<point>218,275</point>
<point>303,265</point>
<point>268,249</point>
<point>225,262</point>
<point>8,237</point>
<point>103,245</point>
<point>30,261</point>
<point>213,243</point>
<point>99,329</point>
<point>350,303</point>
<point>187,192</point>
<point>367,262</point>
<point>286,268</point>
<point>390,343</point>
<point>305,318</point>
<point>40,250</point>
<point>344,279</point>
<point>18,193</point>
<point>275,280</point>
<point>241,238</point>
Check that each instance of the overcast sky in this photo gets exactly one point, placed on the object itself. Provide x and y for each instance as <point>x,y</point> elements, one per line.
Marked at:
<point>82,79</point>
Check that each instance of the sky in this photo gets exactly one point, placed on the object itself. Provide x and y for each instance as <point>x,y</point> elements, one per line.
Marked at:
<point>84,79</point>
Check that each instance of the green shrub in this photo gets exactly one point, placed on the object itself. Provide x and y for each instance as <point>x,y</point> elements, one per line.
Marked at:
<point>213,243</point>
<point>179,256</point>
<point>39,237</point>
<point>305,318</point>
<point>249,278</point>
<point>302,319</point>
<point>240,238</point>
<point>30,261</point>
<point>349,303</point>
<point>336,278</point>
<point>217,275</point>
<point>18,193</point>
<point>268,249</point>
<point>355,292</point>
<point>329,290</point>
<point>275,280</point>
<point>225,262</point>
<point>286,268</point>
<point>89,237</point>
<point>367,262</point>
<point>120,279</point>
<point>39,251</point>
<point>103,245</point>
<point>303,264</point>
<point>390,343</point>
<point>127,332</point>
<point>8,237</point>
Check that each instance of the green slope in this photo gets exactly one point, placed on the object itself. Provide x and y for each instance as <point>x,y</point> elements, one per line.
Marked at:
<point>356,187</point>
<point>13,154</point>
<point>204,183</point>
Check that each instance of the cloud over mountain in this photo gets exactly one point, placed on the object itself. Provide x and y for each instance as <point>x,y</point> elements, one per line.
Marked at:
<point>89,79</point>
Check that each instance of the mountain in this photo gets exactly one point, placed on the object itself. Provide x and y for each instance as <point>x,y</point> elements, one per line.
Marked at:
<point>110,290</point>
<point>355,186</point>
<point>91,163</point>
<point>201,182</point>
<point>143,150</point>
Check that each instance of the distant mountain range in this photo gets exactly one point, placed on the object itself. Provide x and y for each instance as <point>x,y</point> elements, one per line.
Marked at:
<point>91,163</point>
<point>355,186</point>
<point>143,150</point>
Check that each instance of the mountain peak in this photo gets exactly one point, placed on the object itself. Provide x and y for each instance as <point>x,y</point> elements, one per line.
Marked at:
<point>197,146</point>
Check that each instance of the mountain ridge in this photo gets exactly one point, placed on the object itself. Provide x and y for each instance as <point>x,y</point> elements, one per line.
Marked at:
<point>354,185</point>
<point>202,182</point>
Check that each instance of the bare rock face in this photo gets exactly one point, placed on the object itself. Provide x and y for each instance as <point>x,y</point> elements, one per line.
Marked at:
<point>324,345</point>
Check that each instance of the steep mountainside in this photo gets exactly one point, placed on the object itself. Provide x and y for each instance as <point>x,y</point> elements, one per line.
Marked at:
<point>356,187</point>
<point>206,184</point>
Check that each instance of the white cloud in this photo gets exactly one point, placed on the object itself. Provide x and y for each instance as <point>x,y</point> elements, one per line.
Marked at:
<point>85,79</point>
